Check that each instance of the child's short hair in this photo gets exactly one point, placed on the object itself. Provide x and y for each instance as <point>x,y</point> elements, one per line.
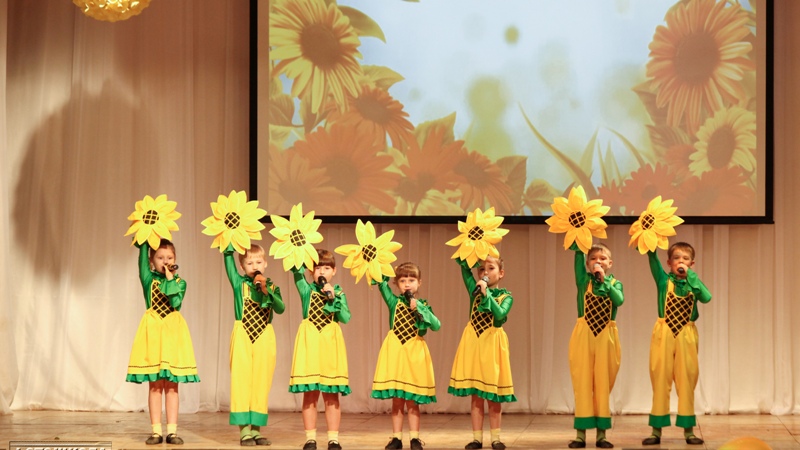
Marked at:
<point>165,243</point>
<point>599,247</point>
<point>685,246</point>
<point>254,250</point>
<point>326,259</point>
<point>407,269</point>
<point>498,261</point>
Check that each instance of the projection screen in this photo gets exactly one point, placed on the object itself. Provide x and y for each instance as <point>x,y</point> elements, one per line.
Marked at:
<point>424,110</point>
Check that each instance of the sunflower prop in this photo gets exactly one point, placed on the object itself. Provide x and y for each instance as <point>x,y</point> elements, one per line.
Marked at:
<point>296,238</point>
<point>372,256</point>
<point>654,226</point>
<point>235,221</point>
<point>579,218</point>
<point>153,220</point>
<point>478,237</point>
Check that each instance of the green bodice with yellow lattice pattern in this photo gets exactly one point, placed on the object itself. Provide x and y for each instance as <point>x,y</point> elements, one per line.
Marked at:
<point>160,294</point>
<point>244,290</point>
<point>592,294</point>
<point>686,292</point>
<point>315,307</point>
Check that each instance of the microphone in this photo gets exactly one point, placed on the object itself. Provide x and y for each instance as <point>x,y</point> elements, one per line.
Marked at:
<point>322,281</point>
<point>681,270</point>
<point>477,289</point>
<point>257,284</point>
<point>597,276</point>
<point>408,295</point>
<point>171,267</point>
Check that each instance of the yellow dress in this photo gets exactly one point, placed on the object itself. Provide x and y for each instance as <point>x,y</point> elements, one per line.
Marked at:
<point>162,347</point>
<point>320,356</point>
<point>405,368</point>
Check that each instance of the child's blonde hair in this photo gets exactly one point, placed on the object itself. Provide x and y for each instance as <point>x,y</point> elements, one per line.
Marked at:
<point>407,269</point>
<point>685,246</point>
<point>599,247</point>
<point>498,261</point>
<point>254,250</point>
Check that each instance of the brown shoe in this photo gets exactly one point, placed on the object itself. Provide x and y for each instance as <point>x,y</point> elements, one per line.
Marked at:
<point>174,439</point>
<point>154,439</point>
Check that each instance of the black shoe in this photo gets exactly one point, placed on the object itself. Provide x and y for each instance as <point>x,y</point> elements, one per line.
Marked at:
<point>334,445</point>
<point>261,440</point>
<point>394,444</point>
<point>652,440</point>
<point>497,445</point>
<point>154,439</point>
<point>247,441</point>
<point>174,439</point>
<point>310,445</point>
<point>416,444</point>
<point>577,444</point>
<point>602,443</point>
<point>694,440</point>
<point>474,444</point>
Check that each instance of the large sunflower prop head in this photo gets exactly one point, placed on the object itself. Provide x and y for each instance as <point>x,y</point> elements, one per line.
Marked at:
<point>153,220</point>
<point>578,218</point>
<point>478,237</point>
<point>654,226</point>
<point>372,256</point>
<point>296,238</point>
<point>235,221</point>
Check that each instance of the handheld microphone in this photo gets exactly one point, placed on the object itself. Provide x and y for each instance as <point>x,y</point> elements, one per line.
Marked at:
<point>681,270</point>
<point>477,289</point>
<point>408,295</point>
<point>322,281</point>
<point>257,284</point>
<point>597,276</point>
<point>171,267</point>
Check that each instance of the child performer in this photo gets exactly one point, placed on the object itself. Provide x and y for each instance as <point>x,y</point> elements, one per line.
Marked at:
<point>404,371</point>
<point>162,351</point>
<point>594,349</point>
<point>320,357</point>
<point>673,346</point>
<point>252,352</point>
<point>482,367</point>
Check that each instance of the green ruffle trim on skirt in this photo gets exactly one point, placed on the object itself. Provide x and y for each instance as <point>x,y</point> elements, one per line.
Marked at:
<point>337,389</point>
<point>387,394</point>
<point>484,395</point>
<point>164,374</point>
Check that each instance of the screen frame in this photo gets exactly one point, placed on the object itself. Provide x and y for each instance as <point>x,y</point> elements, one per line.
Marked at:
<point>767,218</point>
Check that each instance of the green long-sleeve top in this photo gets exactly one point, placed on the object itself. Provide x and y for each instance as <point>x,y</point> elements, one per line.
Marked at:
<point>272,300</point>
<point>610,287</point>
<point>425,318</point>
<point>682,287</point>
<point>338,307</point>
<point>488,303</point>
<point>173,289</point>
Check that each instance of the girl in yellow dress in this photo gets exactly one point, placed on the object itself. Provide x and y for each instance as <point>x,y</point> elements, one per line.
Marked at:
<point>162,351</point>
<point>482,366</point>
<point>320,357</point>
<point>404,371</point>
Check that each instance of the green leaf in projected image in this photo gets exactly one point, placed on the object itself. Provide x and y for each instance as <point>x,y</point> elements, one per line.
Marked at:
<point>362,23</point>
<point>310,119</point>
<point>447,123</point>
<point>281,110</point>
<point>648,98</point>
<point>632,148</point>
<point>382,76</point>
<point>516,172</point>
<point>578,175</point>
<point>539,196</point>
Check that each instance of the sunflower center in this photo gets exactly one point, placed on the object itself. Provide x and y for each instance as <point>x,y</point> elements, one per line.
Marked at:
<point>297,238</point>
<point>150,217</point>
<point>320,44</point>
<point>232,220</point>
<point>475,174</point>
<point>476,233</point>
<point>577,219</point>
<point>648,220</point>
<point>369,252</point>
<point>696,58</point>
<point>371,108</point>
<point>721,147</point>
<point>344,175</point>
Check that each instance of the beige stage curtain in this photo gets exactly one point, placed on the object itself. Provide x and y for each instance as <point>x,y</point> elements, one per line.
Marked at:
<point>99,114</point>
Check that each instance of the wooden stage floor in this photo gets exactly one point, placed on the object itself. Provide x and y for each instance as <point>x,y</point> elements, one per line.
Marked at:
<point>372,431</point>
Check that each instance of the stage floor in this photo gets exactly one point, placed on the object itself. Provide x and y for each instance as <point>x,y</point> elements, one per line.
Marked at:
<point>372,431</point>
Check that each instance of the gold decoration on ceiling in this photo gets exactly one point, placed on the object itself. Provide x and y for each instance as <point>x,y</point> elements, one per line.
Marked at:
<point>111,10</point>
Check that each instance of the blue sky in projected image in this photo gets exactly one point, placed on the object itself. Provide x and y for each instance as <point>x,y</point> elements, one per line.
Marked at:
<point>571,69</point>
